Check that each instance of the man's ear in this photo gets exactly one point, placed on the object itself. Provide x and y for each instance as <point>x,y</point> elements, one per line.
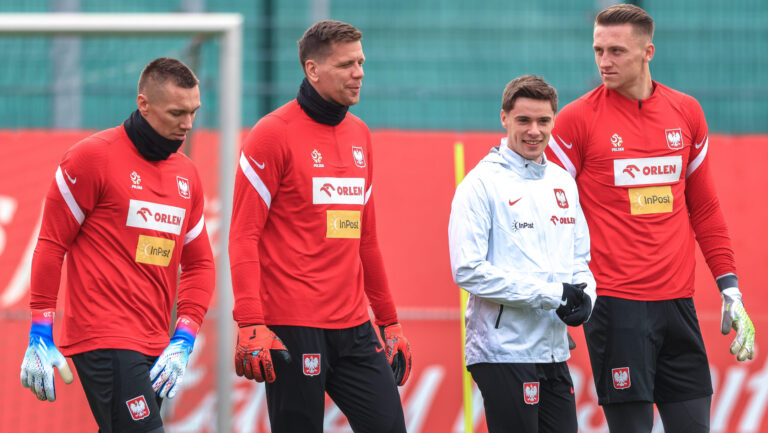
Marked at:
<point>142,103</point>
<point>311,70</point>
<point>650,50</point>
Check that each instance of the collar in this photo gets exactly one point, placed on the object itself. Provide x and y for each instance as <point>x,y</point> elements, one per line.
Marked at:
<point>527,168</point>
<point>151,145</point>
<point>320,110</point>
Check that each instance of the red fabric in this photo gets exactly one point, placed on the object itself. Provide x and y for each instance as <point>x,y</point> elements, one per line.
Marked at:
<point>287,267</point>
<point>617,147</point>
<point>121,272</point>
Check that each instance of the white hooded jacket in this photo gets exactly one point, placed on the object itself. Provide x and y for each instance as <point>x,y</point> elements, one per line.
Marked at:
<point>516,234</point>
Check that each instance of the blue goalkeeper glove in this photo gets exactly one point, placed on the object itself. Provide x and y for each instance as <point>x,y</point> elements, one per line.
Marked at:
<point>41,356</point>
<point>168,372</point>
<point>735,317</point>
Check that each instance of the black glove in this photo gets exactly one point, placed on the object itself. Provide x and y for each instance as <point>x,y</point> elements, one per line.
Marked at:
<point>573,295</point>
<point>578,315</point>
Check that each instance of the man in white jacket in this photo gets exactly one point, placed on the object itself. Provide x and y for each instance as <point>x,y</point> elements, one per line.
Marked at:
<point>519,245</point>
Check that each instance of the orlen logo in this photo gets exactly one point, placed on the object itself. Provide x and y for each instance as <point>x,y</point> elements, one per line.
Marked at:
<point>342,190</point>
<point>155,216</point>
<point>630,170</point>
<point>647,171</point>
<point>327,188</point>
<point>144,212</point>
<point>159,217</point>
<point>338,190</point>
<point>562,220</point>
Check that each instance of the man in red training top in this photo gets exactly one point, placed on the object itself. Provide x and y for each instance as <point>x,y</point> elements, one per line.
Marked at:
<point>127,209</point>
<point>638,152</point>
<point>304,253</point>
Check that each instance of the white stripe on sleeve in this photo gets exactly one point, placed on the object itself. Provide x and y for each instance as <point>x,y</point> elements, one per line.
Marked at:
<point>562,156</point>
<point>68,197</point>
<point>195,232</point>
<point>255,180</point>
<point>368,194</point>
<point>693,165</point>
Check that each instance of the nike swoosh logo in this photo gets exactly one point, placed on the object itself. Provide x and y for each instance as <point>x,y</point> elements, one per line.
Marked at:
<point>261,166</point>
<point>512,203</point>
<point>379,349</point>
<point>74,181</point>
<point>698,145</point>
<point>567,145</point>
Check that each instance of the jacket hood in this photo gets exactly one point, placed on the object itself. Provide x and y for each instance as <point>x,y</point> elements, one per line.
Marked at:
<point>510,160</point>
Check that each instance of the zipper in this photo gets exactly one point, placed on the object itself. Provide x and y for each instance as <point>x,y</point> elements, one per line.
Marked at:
<point>498,318</point>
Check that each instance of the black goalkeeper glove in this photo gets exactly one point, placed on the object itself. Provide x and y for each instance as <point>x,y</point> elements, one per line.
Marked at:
<point>575,305</point>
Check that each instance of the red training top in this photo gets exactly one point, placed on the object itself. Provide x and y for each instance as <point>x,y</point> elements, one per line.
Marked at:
<point>646,190</point>
<point>126,224</point>
<point>302,244</point>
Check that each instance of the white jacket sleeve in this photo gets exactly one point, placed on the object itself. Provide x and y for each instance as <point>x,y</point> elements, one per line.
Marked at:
<point>468,235</point>
<point>581,272</point>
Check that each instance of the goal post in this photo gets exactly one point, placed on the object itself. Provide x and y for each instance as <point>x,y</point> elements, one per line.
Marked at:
<point>228,28</point>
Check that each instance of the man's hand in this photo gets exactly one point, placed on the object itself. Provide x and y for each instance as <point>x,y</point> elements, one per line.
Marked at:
<point>575,306</point>
<point>168,371</point>
<point>573,295</point>
<point>253,356</point>
<point>41,356</point>
<point>578,315</point>
<point>398,351</point>
<point>735,317</point>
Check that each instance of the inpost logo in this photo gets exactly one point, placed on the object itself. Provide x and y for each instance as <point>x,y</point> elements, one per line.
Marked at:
<point>651,199</point>
<point>154,251</point>
<point>343,224</point>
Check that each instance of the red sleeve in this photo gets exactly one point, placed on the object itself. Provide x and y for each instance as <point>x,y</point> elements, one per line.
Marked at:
<point>568,139</point>
<point>260,170</point>
<point>72,196</point>
<point>703,205</point>
<point>197,269</point>
<point>374,274</point>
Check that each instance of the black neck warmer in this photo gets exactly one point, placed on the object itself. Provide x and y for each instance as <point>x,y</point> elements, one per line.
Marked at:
<point>320,110</point>
<point>151,145</point>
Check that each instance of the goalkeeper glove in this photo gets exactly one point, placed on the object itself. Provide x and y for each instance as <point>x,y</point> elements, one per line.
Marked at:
<point>256,344</point>
<point>168,371</point>
<point>398,351</point>
<point>735,317</point>
<point>41,356</point>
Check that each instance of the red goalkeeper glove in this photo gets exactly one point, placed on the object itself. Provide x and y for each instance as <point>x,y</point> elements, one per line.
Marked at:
<point>398,351</point>
<point>253,356</point>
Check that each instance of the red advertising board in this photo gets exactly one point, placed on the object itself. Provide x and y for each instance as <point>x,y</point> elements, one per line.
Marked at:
<point>414,183</point>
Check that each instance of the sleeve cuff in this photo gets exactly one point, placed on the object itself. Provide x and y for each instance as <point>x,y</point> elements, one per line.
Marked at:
<point>727,281</point>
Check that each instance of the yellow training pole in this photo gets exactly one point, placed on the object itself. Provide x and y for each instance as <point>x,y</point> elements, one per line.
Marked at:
<point>466,379</point>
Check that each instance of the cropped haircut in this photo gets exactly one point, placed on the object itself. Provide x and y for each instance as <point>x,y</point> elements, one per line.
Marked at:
<point>318,40</point>
<point>528,86</point>
<point>641,22</point>
<point>160,70</point>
